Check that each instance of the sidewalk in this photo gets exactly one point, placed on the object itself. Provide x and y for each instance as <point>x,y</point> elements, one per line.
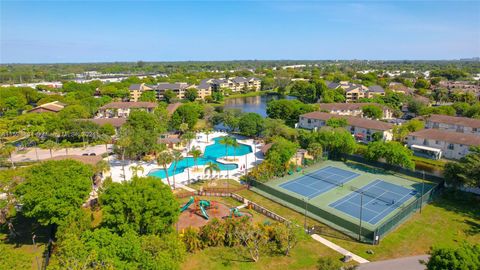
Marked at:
<point>339,249</point>
<point>410,263</point>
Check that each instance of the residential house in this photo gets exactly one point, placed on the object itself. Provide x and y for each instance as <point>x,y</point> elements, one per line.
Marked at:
<point>353,109</point>
<point>453,124</point>
<point>361,128</point>
<point>123,109</point>
<point>400,88</point>
<point>435,143</point>
<point>53,107</point>
<point>173,141</point>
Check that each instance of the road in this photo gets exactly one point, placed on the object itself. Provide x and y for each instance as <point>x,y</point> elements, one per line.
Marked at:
<point>406,263</point>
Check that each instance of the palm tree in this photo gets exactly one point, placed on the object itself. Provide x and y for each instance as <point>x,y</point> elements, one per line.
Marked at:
<point>226,141</point>
<point>122,143</point>
<point>66,144</point>
<point>177,156</point>
<point>50,145</point>
<point>211,167</point>
<point>196,153</point>
<point>105,139</point>
<point>135,169</point>
<point>158,148</point>
<point>163,159</point>
<point>189,136</point>
<point>208,132</point>
<point>183,127</point>
<point>235,146</point>
<point>8,150</point>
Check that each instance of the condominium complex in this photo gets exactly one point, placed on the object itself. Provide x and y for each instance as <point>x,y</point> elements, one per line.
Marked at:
<point>354,92</point>
<point>453,124</point>
<point>361,128</point>
<point>204,89</point>
<point>354,109</point>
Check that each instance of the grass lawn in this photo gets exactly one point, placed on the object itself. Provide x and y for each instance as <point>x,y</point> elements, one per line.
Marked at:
<point>303,256</point>
<point>448,221</point>
<point>19,252</point>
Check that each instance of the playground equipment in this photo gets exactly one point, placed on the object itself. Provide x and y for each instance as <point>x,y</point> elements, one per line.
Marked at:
<point>235,213</point>
<point>203,205</point>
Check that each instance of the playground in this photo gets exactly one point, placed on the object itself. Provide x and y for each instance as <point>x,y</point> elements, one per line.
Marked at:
<point>198,211</point>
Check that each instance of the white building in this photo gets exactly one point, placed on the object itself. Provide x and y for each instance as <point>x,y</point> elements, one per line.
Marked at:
<point>435,143</point>
<point>353,109</point>
<point>361,128</point>
<point>453,124</point>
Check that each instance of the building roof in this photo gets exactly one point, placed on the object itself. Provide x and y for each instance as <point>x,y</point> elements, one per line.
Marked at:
<point>135,87</point>
<point>266,147</point>
<point>171,138</point>
<point>346,106</point>
<point>453,120</point>
<point>90,160</point>
<point>171,108</point>
<point>171,86</point>
<point>116,122</point>
<point>205,84</point>
<point>447,136</point>
<point>54,106</point>
<point>351,120</point>
<point>127,105</point>
<point>239,80</point>
<point>376,89</point>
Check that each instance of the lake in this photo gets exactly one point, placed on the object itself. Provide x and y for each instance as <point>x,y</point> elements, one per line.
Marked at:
<point>257,104</point>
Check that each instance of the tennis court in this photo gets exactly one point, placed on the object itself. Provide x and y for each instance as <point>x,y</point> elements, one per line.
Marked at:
<point>380,198</point>
<point>315,183</point>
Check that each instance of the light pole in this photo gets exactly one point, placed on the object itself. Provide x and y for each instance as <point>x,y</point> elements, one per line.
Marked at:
<point>361,213</point>
<point>246,155</point>
<point>421,193</point>
<point>305,220</point>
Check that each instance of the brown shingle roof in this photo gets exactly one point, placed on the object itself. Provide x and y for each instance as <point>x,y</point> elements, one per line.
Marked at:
<point>352,121</point>
<point>447,136</point>
<point>90,160</point>
<point>126,105</point>
<point>116,122</point>
<point>346,106</point>
<point>452,120</point>
<point>171,108</point>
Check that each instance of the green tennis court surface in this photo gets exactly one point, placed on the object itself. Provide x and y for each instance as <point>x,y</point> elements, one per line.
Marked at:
<point>340,194</point>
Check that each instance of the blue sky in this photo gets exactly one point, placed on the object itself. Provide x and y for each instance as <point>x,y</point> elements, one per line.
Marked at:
<point>104,31</point>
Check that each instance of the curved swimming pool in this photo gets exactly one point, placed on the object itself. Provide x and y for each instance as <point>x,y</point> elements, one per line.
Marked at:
<point>212,153</point>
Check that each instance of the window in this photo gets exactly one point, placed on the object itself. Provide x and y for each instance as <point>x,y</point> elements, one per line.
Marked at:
<point>414,138</point>
<point>425,142</point>
<point>309,121</point>
<point>450,146</point>
<point>437,142</point>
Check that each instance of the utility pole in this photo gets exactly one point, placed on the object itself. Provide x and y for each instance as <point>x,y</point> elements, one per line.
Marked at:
<point>305,220</point>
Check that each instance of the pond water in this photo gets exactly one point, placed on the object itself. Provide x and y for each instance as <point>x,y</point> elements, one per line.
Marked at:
<point>257,104</point>
<point>212,153</point>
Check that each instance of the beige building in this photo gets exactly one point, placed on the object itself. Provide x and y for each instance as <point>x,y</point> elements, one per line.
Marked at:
<point>136,91</point>
<point>123,109</point>
<point>53,107</point>
<point>354,92</point>
<point>453,124</point>
<point>361,128</point>
<point>236,84</point>
<point>436,143</point>
<point>353,109</point>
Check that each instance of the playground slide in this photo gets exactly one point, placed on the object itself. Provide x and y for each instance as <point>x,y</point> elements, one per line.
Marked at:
<point>237,212</point>
<point>183,208</point>
<point>203,204</point>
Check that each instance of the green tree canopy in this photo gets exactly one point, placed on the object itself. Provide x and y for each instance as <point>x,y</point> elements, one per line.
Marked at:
<point>288,110</point>
<point>188,113</point>
<point>394,153</point>
<point>372,111</point>
<point>191,94</point>
<point>54,190</point>
<point>463,257</point>
<point>251,124</point>
<point>144,205</point>
<point>466,172</point>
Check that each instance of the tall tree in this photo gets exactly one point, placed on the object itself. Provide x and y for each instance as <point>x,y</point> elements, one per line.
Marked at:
<point>144,205</point>
<point>163,159</point>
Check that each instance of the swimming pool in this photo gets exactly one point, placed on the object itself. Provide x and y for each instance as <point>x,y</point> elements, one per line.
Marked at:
<point>212,152</point>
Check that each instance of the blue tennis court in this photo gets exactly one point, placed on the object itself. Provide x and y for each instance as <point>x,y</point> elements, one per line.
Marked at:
<point>318,182</point>
<point>380,199</point>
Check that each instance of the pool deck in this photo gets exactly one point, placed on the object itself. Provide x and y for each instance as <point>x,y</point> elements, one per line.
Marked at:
<point>116,171</point>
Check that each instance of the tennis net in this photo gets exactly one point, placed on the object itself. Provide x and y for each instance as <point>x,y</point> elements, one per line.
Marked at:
<point>340,184</point>
<point>379,197</point>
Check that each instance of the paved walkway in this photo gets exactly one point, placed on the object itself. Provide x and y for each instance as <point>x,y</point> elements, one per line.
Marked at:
<point>410,263</point>
<point>339,249</point>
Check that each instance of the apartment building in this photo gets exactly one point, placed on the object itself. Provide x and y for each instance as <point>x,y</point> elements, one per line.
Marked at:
<point>453,124</point>
<point>400,88</point>
<point>437,143</point>
<point>353,109</point>
<point>123,109</point>
<point>361,128</point>
<point>236,84</point>
<point>178,88</point>
<point>354,92</point>
<point>136,91</point>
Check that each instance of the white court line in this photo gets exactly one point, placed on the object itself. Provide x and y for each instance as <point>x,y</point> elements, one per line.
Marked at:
<point>388,208</point>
